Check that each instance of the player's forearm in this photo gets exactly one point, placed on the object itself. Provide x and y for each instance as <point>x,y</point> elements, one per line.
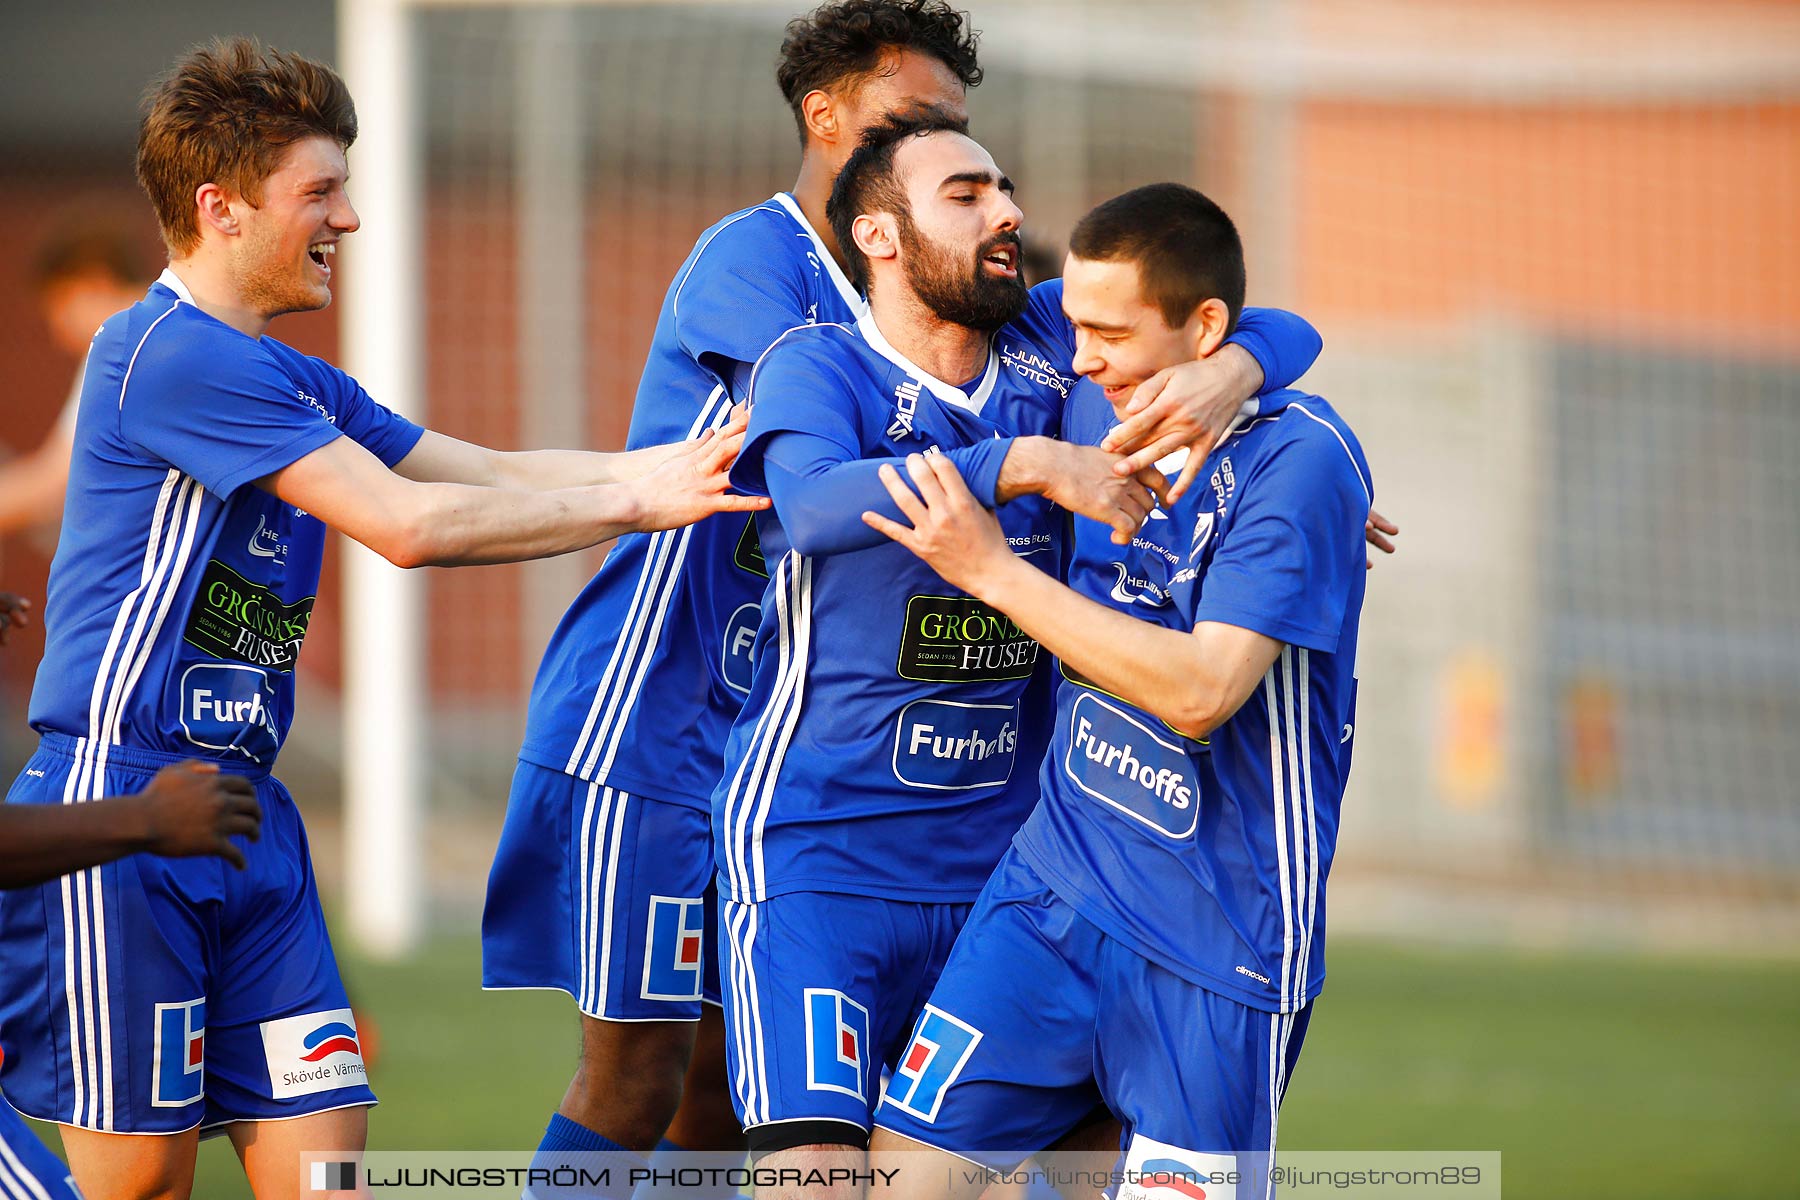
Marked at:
<point>1159,670</point>
<point>1282,346</point>
<point>32,485</point>
<point>41,842</point>
<point>449,525</point>
<point>1031,467</point>
<point>821,501</point>
<point>553,470</point>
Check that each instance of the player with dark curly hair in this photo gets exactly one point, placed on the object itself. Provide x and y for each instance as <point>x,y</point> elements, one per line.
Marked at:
<point>838,47</point>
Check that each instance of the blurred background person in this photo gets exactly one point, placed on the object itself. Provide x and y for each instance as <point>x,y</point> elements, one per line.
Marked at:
<point>82,274</point>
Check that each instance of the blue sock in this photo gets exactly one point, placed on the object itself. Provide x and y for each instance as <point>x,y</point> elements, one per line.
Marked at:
<point>713,1181</point>
<point>584,1165</point>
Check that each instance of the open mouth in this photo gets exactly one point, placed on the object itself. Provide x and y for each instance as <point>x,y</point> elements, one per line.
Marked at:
<point>321,254</point>
<point>1003,260</point>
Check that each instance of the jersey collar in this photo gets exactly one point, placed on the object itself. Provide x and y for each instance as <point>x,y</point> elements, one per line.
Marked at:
<point>971,401</point>
<point>172,281</point>
<point>849,293</point>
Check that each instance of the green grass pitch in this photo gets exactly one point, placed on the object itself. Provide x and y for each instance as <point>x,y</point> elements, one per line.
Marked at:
<point>1595,1075</point>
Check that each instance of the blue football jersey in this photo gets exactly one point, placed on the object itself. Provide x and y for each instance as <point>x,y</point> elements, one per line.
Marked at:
<point>883,749</point>
<point>180,595</point>
<point>647,668</point>
<point>1212,859</point>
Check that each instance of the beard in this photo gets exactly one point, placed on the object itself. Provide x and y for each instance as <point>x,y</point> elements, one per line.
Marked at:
<point>957,290</point>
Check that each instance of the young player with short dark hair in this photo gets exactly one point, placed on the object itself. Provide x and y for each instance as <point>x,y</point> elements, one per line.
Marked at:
<point>1168,891</point>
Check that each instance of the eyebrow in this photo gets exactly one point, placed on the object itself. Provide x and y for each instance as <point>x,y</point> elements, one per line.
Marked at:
<point>977,177</point>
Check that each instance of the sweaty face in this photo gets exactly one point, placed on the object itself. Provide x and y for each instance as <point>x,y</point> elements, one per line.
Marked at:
<point>1121,339</point>
<point>959,243</point>
<point>283,255</point>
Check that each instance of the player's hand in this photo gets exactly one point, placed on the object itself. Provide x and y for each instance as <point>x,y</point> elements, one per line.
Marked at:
<point>14,610</point>
<point>194,808</point>
<point>696,483</point>
<point>1190,405</point>
<point>1378,531</point>
<point>1088,481</point>
<point>951,530</point>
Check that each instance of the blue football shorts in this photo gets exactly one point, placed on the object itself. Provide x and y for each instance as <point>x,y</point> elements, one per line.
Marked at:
<point>603,894</point>
<point>151,995</point>
<point>820,991</point>
<point>1039,1016</point>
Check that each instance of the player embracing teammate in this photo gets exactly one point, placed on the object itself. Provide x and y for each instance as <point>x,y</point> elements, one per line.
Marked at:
<point>1169,889</point>
<point>149,997</point>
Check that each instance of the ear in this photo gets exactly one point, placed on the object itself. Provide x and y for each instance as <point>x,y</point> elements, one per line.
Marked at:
<point>216,209</point>
<point>1209,325</point>
<point>820,113</point>
<point>877,235</point>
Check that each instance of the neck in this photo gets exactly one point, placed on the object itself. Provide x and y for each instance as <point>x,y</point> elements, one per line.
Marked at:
<point>952,353</point>
<point>208,279</point>
<point>811,191</point>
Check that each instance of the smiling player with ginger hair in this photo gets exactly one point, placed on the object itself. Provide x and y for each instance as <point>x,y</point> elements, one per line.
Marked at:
<point>151,997</point>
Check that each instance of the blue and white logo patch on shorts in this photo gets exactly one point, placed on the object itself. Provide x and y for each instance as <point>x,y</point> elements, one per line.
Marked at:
<point>940,1048</point>
<point>674,945</point>
<point>837,1034</point>
<point>179,1068</point>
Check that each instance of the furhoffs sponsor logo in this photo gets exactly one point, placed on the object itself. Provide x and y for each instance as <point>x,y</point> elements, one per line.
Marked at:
<point>1118,760</point>
<point>948,746</point>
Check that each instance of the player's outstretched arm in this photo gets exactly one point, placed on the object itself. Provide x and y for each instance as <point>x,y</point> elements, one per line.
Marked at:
<point>188,809</point>
<point>414,524</point>
<point>1194,681</point>
<point>439,458</point>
